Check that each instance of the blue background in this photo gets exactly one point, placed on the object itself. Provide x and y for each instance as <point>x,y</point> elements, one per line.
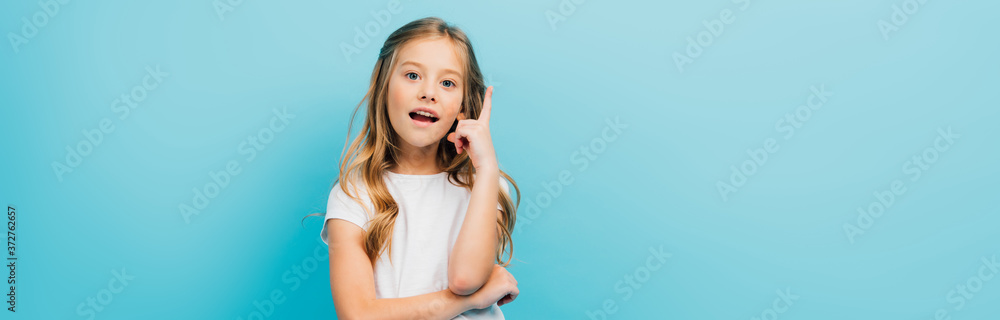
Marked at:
<point>557,86</point>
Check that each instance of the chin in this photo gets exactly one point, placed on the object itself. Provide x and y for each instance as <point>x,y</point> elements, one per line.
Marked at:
<point>420,142</point>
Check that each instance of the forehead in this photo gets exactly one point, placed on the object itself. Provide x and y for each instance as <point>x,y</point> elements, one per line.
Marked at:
<point>438,54</point>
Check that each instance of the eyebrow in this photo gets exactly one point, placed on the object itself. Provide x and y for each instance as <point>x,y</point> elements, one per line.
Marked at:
<point>446,70</point>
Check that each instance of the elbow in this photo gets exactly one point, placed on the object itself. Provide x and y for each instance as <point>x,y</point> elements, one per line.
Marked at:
<point>351,312</point>
<point>342,313</point>
<point>464,285</point>
<point>346,313</point>
<point>347,316</point>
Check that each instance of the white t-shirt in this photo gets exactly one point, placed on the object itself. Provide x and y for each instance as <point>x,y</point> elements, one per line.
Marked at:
<point>431,212</point>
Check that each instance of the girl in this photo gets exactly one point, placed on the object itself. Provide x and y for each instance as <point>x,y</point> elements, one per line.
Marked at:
<point>418,223</point>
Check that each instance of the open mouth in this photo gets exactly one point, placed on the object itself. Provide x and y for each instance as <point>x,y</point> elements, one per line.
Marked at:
<point>423,117</point>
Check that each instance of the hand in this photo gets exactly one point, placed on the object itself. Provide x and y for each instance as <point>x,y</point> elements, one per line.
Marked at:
<point>500,288</point>
<point>473,136</point>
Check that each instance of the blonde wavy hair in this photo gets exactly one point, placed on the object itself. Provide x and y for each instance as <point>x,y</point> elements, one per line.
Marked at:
<point>375,148</point>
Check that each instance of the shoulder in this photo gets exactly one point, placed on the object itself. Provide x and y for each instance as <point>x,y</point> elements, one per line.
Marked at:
<point>355,192</point>
<point>354,188</point>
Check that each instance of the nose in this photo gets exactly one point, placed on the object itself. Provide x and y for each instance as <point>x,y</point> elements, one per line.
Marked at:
<point>427,93</point>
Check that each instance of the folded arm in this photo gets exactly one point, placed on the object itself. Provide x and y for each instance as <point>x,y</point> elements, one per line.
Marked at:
<point>353,285</point>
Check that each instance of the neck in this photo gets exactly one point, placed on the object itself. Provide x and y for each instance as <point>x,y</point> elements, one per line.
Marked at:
<point>416,160</point>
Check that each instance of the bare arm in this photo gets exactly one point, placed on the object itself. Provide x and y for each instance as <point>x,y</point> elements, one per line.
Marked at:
<point>352,282</point>
<point>473,256</point>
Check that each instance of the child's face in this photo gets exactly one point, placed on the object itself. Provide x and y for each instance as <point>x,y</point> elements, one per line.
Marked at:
<point>427,77</point>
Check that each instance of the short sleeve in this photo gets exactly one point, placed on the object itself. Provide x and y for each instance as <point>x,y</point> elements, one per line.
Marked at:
<point>341,206</point>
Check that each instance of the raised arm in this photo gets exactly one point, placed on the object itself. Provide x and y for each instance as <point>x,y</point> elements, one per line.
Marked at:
<point>352,282</point>
<point>474,252</point>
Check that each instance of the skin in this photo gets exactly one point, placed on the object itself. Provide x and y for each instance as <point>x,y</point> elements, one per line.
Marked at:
<point>429,75</point>
<point>438,86</point>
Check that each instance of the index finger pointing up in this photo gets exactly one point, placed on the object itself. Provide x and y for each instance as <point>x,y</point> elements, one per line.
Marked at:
<point>484,116</point>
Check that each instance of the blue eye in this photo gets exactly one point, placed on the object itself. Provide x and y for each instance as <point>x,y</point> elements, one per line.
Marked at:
<point>448,83</point>
<point>412,76</point>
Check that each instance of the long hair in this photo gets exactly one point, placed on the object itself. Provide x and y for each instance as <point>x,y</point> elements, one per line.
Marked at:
<point>375,148</point>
